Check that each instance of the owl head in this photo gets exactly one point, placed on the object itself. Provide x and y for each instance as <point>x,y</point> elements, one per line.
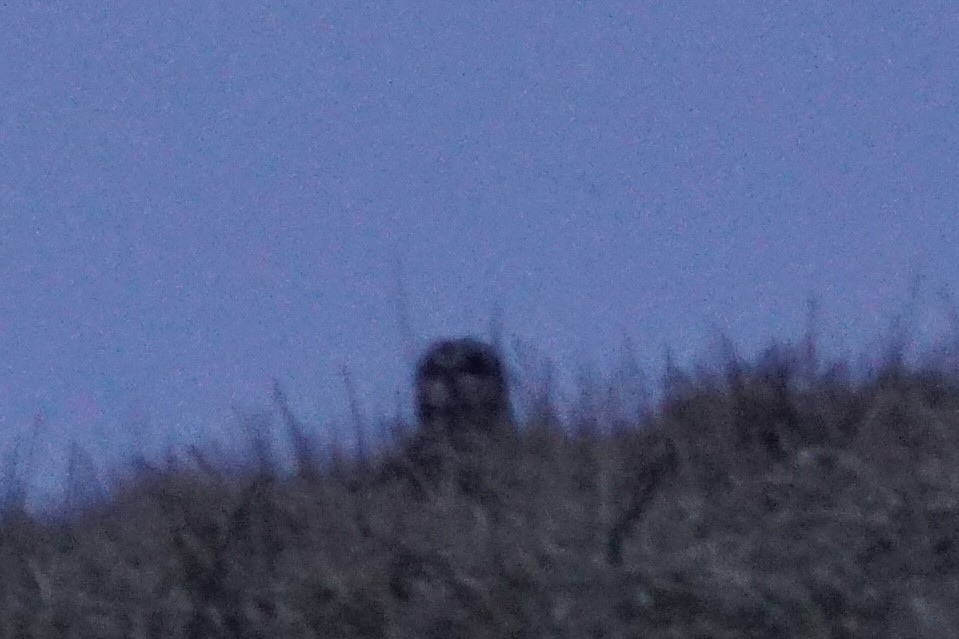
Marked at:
<point>461,387</point>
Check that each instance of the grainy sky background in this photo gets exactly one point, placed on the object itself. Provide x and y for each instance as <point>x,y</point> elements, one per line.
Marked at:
<point>198,196</point>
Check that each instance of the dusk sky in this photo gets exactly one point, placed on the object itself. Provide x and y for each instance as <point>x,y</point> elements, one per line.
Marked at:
<point>197,197</point>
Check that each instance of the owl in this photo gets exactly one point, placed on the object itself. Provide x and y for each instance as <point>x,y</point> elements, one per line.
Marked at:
<point>461,388</point>
<point>464,418</point>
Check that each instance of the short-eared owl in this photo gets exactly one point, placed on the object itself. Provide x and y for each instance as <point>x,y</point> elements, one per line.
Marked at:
<point>461,387</point>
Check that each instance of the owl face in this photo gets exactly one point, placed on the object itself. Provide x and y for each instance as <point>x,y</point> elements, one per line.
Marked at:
<point>461,385</point>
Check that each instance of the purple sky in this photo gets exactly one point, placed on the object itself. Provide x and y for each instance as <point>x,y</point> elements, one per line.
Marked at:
<point>199,196</point>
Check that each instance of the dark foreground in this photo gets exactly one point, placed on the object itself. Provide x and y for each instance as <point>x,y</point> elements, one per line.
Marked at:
<point>765,502</point>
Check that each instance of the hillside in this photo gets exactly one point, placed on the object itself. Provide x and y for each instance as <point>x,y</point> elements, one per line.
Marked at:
<point>773,498</point>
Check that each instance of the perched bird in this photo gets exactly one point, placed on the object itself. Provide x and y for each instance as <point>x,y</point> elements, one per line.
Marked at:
<point>461,388</point>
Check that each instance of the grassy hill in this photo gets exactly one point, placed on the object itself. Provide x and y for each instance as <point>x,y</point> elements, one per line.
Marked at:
<point>771,498</point>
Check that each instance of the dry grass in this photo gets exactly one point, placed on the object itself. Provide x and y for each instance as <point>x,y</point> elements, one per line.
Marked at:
<point>768,501</point>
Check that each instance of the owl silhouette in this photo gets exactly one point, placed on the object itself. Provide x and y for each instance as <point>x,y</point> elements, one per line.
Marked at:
<point>461,388</point>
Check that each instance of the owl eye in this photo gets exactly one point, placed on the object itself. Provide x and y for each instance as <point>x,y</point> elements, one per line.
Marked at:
<point>479,364</point>
<point>430,368</point>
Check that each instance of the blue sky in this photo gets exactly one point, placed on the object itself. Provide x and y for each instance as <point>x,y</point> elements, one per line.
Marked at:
<point>196,197</point>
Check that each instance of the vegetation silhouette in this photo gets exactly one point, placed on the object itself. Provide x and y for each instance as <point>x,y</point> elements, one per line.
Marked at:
<point>779,496</point>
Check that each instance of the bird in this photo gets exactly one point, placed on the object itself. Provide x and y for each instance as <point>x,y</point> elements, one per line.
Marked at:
<point>464,422</point>
<point>461,390</point>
